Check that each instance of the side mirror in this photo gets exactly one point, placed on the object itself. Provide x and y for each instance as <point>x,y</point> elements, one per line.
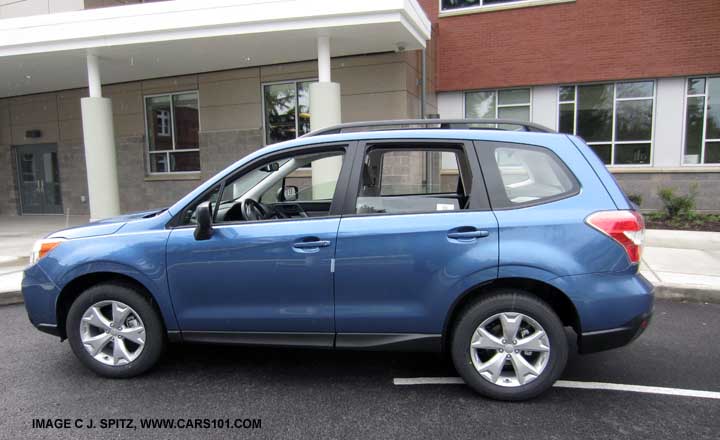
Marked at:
<point>271,167</point>
<point>203,230</point>
<point>290,193</point>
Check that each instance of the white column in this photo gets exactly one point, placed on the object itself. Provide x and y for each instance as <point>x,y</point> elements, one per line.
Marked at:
<point>324,67</point>
<point>99,138</point>
<point>324,112</point>
<point>93,69</point>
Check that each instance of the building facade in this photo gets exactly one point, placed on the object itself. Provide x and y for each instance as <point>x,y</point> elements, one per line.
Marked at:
<point>639,81</point>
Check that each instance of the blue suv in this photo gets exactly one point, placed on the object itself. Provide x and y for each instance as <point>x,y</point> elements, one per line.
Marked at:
<point>485,239</point>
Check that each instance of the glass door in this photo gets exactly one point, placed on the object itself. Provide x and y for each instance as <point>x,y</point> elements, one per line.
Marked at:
<point>39,179</point>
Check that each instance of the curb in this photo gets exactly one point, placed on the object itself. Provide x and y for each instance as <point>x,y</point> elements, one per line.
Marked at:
<point>10,298</point>
<point>679,292</point>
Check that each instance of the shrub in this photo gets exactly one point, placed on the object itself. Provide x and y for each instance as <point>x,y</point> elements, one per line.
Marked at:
<point>678,206</point>
<point>636,198</point>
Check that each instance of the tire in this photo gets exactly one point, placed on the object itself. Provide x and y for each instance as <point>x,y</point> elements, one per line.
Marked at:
<point>140,334</point>
<point>479,366</point>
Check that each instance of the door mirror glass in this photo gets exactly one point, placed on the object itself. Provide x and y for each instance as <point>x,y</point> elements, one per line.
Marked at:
<point>271,167</point>
<point>290,193</point>
<point>204,230</point>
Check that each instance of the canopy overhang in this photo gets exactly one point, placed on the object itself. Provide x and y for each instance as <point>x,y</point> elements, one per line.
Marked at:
<point>152,40</point>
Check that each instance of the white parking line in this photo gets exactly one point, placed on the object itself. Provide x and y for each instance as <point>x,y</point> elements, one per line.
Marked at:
<point>573,384</point>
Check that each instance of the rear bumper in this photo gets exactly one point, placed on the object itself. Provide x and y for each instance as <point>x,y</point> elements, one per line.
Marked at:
<point>592,342</point>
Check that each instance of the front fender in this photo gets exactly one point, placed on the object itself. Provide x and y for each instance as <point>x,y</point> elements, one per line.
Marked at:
<point>156,287</point>
<point>137,255</point>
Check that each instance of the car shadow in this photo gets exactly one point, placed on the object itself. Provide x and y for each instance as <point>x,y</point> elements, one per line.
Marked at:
<point>312,364</point>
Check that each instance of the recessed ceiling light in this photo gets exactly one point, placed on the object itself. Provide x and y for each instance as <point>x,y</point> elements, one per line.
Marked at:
<point>247,59</point>
<point>28,76</point>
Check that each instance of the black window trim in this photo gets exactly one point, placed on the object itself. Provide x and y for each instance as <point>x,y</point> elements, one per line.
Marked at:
<point>479,200</point>
<point>496,189</point>
<point>341,188</point>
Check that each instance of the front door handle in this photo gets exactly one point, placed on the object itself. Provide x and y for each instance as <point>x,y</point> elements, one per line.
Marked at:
<point>467,235</point>
<point>311,244</point>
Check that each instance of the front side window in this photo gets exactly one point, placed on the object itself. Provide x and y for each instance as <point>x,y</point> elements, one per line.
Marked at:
<point>530,175</point>
<point>702,121</point>
<point>498,104</point>
<point>287,110</point>
<point>615,119</point>
<point>301,185</point>
<point>396,181</point>
<point>172,132</point>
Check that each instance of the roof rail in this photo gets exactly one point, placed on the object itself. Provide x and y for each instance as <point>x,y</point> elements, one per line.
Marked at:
<point>414,124</point>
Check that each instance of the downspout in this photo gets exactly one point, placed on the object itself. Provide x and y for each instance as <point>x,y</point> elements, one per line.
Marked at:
<point>423,83</point>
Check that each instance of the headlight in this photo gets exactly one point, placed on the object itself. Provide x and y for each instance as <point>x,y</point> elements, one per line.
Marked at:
<point>42,247</point>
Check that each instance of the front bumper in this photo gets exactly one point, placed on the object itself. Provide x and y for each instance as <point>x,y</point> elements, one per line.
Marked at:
<point>40,295</point>
<point>592,342</point>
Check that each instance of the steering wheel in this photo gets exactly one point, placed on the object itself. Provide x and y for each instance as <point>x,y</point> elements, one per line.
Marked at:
<point>254,210</point>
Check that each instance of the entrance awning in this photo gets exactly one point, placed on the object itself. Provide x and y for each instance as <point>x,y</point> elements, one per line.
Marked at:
<point>151,40</point>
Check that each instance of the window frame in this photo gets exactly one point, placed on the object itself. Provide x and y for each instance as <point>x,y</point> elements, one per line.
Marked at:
<point>478,196</point>
<point>613,142</point>
<point>496,92</point>
<point>509,4</point>
<point>705,96</point>
<point>336,205</point>
<point>172,133</point>
<point>495,186</point>
<point>262,99</point>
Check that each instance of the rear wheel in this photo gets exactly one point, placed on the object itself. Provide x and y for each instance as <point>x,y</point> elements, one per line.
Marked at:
<point>510,346</point>
<point>114,331</point>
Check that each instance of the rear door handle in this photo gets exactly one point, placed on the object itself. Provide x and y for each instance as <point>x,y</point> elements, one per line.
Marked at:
<point>460,235</point>
<point>311,244</point>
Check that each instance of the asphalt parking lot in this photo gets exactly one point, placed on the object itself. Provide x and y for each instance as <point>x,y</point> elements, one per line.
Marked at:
<point>325,394</point>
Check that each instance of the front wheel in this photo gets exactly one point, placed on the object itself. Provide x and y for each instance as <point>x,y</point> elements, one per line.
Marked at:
<point>115,331</point>
<point>510,346</point>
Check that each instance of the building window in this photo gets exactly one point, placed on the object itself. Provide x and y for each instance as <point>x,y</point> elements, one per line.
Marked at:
<point>452,5</point>
<point>172,132</point>
<point>702,121</point>
<point>286,108</point>
<point>615,119</point>
<point>498,104</point>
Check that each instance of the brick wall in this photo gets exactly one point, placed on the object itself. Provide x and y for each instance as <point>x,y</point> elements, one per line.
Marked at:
<point>586,40</point>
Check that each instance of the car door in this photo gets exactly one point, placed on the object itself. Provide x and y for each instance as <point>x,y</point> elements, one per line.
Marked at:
<point>417,233</point>
<point>263,281</point>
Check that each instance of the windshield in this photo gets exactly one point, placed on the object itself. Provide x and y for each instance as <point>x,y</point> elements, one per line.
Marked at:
<point>248,181</point>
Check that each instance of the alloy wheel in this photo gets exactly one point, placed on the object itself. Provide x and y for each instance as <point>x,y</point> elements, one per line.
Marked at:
<point>510,349</point>
<point>112,333</point>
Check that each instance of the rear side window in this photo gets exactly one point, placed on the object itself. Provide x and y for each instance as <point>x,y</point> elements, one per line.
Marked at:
<point>528,175</point>
<point>412,180</point>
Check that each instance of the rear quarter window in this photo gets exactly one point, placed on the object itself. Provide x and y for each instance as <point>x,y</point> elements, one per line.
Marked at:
<point>522,175</point>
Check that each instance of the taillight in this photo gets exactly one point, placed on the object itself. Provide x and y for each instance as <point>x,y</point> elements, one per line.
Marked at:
<point>625,227</point>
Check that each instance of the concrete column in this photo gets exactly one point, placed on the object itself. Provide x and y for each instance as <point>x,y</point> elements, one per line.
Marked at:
<point>324,112</point>
<point>99,138</point>
<point>324,67</point>
<point>94,82</point>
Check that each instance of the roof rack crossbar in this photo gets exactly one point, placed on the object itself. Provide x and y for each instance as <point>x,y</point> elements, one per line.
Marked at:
<point>400,124</point>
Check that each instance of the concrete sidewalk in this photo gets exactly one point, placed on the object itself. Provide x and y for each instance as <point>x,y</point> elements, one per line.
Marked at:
<point>17,236</point>
<point>683,265</point>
